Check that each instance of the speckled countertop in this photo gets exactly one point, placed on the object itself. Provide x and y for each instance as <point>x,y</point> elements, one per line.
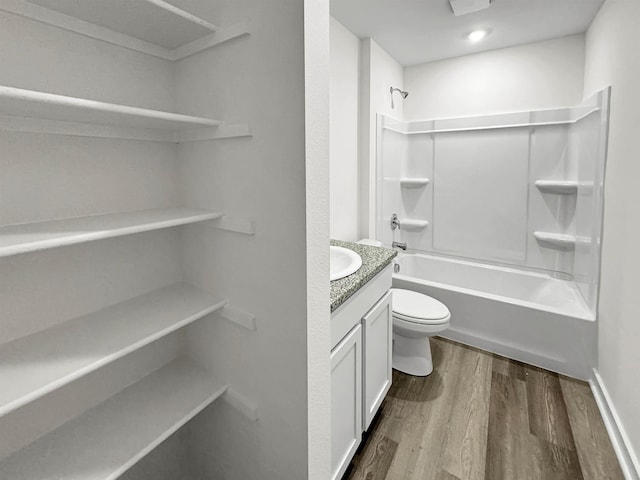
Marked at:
<point>374,259</point>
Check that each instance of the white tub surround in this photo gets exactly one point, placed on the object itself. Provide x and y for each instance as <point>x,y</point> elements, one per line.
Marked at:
<point>507,209</point>
<point>527,316</point>
<point>522,189</point>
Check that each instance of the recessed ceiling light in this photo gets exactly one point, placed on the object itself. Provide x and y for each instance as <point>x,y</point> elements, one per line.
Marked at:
<point>477,35</point>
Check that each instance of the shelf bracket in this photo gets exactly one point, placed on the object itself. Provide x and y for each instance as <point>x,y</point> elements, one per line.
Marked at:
<point>235,224</point>
<point>213,133</point>
<point>220,36</point>
<point>239,317</point>
<point>241,403</point>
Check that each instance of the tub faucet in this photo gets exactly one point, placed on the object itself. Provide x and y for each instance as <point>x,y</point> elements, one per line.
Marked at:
<point>401,245</point>
<point>395,222</point>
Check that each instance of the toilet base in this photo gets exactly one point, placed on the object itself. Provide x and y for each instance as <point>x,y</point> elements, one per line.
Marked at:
<point>412,355</point>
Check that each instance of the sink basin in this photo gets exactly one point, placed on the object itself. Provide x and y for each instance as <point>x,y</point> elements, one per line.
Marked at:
<point>343,262</point>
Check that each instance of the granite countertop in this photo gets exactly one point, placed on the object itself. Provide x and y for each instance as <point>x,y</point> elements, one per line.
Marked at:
<point>374,259</point>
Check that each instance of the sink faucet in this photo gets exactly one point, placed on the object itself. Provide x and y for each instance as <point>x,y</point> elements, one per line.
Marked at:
<point>401,245</point>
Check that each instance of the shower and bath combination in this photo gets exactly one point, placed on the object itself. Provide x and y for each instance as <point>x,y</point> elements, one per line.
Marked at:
<point>402,93</point>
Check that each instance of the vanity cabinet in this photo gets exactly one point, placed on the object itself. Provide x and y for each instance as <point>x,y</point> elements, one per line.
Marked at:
<point>361,332</point>
<point>346,401</point>
<point>377,336</point>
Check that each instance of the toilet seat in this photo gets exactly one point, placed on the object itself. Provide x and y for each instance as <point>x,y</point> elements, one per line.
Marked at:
<point>418,308</point>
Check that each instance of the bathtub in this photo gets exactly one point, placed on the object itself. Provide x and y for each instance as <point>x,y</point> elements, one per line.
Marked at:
<point>524,315</point>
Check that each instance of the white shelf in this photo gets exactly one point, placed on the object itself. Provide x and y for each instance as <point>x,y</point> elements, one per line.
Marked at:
<point>152,27</point>
<point>32,104</point>
<point>109,439</point>
<point>152,21</point>
<point>410,224</point>
<point>31,237</point>
<point>408,182</point>
<point>38,364</point>
<point>559,116</point>
<point>559,241</point>
<point>559,187</point>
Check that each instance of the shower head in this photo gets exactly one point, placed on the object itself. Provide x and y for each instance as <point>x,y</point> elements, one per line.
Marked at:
<point>403,94</point>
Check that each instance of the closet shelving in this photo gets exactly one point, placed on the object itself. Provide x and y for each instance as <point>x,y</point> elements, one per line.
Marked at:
<point>107,440</point>
<point>28,103</point>
<point>37,364</point>
<point>559,187</point>
<point>34,111</point>
<point>31,237</point>
<point>152,27</point>
<point>153,21</point>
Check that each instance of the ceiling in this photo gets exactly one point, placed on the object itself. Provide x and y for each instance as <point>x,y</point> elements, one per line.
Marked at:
<point>419,31</point>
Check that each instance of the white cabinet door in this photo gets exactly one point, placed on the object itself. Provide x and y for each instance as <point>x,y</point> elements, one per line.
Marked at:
<point>377,339</point>
<point>346,401</point>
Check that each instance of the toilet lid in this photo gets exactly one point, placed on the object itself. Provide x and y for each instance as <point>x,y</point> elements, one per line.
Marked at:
<point>414,306</point>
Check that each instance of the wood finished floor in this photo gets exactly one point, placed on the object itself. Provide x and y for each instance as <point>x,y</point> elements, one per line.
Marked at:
<point>479,416</point>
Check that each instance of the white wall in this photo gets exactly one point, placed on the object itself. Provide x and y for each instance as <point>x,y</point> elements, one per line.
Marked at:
<point>260,79</point>
<point>612,58</point>
<point>345,78</point>
<point>527,77</point>
<point>317,150</point>
<point>378,72</point>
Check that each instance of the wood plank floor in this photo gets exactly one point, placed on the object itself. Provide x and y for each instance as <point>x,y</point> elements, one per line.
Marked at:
<point>479,416</point>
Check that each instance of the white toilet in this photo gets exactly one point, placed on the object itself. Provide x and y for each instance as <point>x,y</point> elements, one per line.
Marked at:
<point>416,317</point>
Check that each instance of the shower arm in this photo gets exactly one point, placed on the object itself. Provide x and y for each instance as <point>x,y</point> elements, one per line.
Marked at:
<point>403,94</point>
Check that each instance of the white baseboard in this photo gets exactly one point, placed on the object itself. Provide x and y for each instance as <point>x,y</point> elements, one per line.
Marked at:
<point>621,444</point>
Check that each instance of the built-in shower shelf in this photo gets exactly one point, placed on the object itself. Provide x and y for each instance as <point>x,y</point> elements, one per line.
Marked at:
<point>107,440</point>
<point>38,364</point>
<point>31,237</point>
<point>413,182</point>
<point>560,187</point>
<point>413,224</point>
<point>559,241</point>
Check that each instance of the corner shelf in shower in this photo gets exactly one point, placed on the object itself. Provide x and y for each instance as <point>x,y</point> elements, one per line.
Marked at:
<point>413,182</point>
<point>410,224</point>
<point>152,27</point>
<point>107,440</point>
<point>32,237</point>
<point>559,241</point>
<point>559,187</point>
<point>35,365</point>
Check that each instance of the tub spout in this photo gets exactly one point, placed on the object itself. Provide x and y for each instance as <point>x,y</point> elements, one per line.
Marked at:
<point>400,245</point>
